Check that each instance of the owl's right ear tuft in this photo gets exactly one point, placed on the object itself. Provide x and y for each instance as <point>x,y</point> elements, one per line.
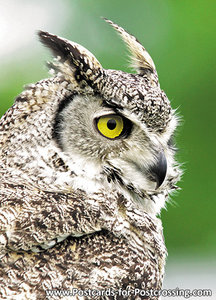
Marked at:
<point>54,43</point>
<point>81,60</point>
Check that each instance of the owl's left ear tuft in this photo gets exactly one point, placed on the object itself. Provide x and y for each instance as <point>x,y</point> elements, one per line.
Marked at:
<point>141,60</point>
<point>76,56</point>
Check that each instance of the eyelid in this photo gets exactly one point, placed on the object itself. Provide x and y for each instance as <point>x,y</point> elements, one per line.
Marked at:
<point>105,112</point>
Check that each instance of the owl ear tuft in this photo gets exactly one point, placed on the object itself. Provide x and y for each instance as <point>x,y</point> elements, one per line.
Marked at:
<point>86,65</point>
<point>141,60</point>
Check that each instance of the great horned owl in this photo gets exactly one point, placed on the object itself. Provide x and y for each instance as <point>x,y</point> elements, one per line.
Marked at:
<point>86,164</point>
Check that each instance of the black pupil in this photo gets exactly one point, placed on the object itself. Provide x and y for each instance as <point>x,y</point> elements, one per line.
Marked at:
<point>111,124</point>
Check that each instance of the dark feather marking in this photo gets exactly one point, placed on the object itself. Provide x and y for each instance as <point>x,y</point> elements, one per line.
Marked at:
<point>58,118</point>
<point>21,99</point>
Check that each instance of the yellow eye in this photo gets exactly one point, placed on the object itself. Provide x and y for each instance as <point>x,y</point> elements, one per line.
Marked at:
<point>110,126</point>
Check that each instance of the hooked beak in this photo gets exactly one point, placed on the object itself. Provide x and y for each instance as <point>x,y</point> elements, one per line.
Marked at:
<point>159,169</point>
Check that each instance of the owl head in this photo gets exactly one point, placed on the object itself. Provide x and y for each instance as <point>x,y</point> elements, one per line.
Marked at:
<point>107,127</point>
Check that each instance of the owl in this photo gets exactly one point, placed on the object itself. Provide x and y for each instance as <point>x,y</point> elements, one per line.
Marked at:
<point>86,164</point>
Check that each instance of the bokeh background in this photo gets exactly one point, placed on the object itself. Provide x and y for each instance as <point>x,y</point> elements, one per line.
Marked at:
<point>180,36</point>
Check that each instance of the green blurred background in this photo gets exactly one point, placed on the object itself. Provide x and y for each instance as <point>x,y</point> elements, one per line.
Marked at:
<point>180,36</point>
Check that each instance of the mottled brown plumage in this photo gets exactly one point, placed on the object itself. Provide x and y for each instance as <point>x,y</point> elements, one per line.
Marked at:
<point>86,164</point>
